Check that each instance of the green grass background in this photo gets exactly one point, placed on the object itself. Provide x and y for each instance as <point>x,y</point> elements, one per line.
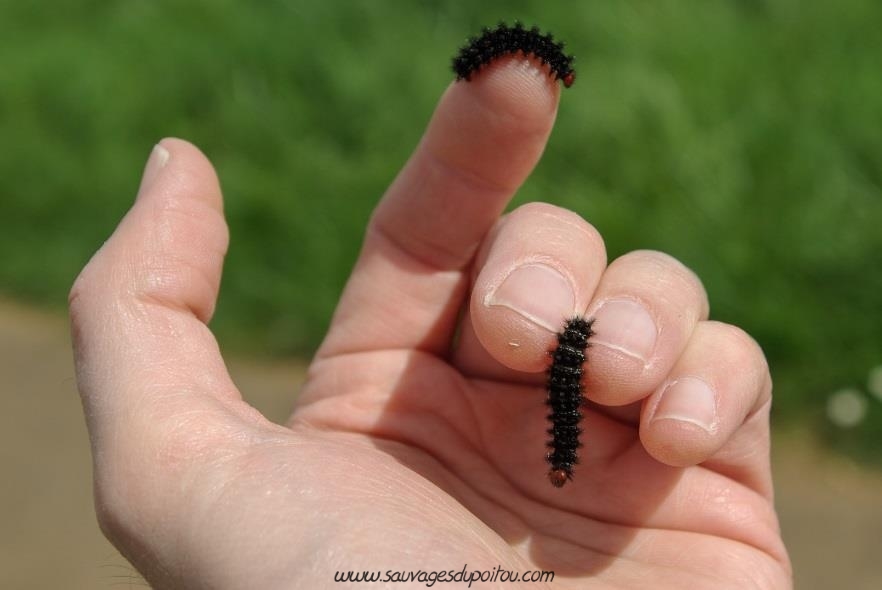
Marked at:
<point>743,137</point>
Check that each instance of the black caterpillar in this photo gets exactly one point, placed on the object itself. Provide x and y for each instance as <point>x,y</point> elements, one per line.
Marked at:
<point>503,40</point>
<point>565,398</point>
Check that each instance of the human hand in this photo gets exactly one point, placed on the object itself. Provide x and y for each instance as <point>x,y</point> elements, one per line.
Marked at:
<point>418,440</point>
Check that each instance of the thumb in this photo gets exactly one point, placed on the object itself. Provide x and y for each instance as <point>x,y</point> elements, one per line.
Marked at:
<point>148,369</point>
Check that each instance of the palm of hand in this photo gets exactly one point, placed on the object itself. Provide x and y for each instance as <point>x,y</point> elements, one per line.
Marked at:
<point>426,462</point>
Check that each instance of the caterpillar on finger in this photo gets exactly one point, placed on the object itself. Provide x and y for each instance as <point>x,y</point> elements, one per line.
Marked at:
<point>504,40</point>
<point>565,398</point>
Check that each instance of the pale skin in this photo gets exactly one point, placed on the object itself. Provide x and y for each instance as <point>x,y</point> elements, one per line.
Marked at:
<point>418,439</point>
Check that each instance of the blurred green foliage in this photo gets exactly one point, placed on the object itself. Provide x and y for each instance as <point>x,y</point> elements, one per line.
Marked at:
<point>741,137</point>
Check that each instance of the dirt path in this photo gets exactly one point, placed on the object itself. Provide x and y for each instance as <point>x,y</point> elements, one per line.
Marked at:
<point>831,510</point>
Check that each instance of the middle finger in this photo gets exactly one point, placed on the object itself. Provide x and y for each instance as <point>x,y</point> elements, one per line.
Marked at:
<point>645,308</point>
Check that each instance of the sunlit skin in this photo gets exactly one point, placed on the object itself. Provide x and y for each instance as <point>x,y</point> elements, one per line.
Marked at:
<point>418,439</point>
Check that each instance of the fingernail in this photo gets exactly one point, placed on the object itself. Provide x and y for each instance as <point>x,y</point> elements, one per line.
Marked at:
<point>538,292</point>
<point>158,159</point>
<point>625,325</point>
<point>688,399</point>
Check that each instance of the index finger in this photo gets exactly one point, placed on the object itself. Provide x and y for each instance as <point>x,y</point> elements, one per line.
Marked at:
<point>482,142</point>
